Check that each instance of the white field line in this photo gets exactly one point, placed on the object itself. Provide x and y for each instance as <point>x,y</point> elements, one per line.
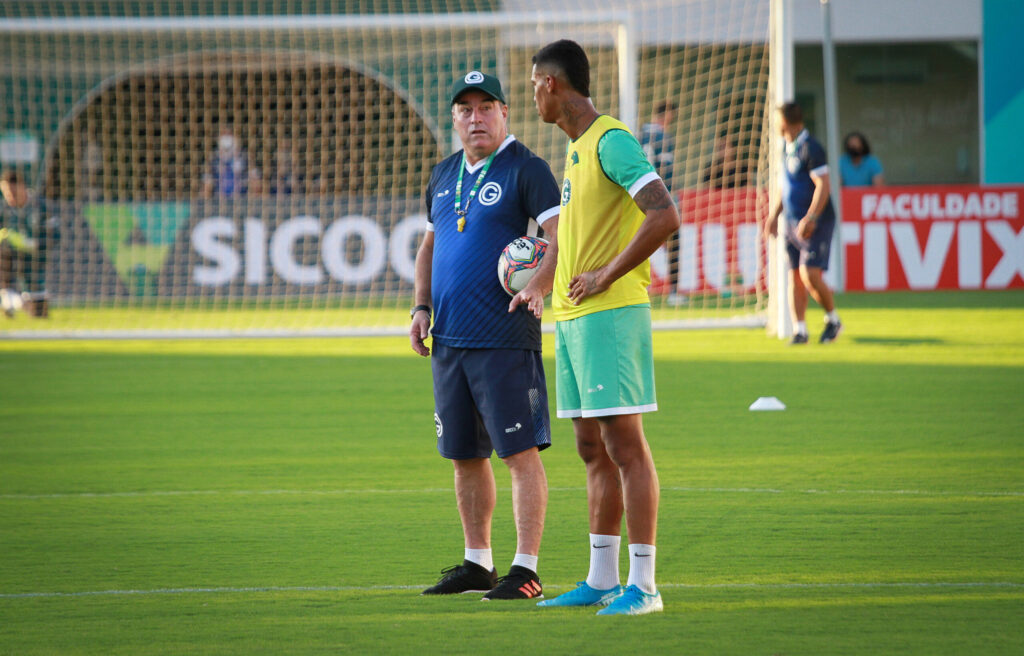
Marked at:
<point>443,490</point>
<point>934,585</point>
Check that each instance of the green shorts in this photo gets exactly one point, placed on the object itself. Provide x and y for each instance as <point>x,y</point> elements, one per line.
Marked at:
<point>604,363</point>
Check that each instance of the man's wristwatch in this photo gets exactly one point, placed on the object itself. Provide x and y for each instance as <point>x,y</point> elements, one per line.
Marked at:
<point>412,313</point>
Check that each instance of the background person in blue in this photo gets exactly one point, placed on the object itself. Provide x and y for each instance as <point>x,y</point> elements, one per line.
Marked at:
<point>489,387</point>
<point>228,171</point>
<point>857,166</point>
<point>659,144</point>
<point>809,223</point>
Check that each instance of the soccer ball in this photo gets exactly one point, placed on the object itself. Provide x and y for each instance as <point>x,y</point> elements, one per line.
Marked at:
<point>519,262</point>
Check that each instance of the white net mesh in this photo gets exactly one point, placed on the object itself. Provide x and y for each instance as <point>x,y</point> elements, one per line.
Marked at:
<point>259,166</point>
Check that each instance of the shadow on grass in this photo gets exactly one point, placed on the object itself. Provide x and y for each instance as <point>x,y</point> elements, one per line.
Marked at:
<point>899,341</point>
<point>1009,298</point>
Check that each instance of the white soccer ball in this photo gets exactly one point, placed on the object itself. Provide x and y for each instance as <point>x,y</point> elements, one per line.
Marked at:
<point>519,262</point>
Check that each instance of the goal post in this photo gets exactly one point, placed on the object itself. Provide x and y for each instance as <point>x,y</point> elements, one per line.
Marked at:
<point>233,175</point>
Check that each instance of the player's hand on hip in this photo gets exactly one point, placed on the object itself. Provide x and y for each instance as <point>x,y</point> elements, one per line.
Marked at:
<point>586,284</point>
<point>532,298</point>
<point>418,332</point>
<point>770,228</point>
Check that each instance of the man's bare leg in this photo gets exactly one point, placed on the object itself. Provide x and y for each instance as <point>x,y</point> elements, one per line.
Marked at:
<point>529,499</point>
<point>475,493</point>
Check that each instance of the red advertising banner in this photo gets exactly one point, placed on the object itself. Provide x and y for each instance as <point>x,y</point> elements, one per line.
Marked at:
<point>720,249</point>
<point>933,237</point>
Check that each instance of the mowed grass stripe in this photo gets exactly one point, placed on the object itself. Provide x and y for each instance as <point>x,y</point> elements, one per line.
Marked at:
<point>437,490</point>
<point>547,586</point>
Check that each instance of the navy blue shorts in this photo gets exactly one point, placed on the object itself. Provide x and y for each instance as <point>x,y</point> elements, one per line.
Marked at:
<point>813,252</point>
<point>489,399</point>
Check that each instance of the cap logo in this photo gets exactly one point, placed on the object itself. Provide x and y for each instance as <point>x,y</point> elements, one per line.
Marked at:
<point>474,77</point>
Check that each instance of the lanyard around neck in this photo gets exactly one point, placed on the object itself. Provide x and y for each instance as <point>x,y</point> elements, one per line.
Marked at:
<point>462,211</point>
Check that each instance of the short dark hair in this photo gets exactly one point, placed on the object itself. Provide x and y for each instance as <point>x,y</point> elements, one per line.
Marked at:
<point>570,58</point>
<point>665,106</point>
<point>11,177</point>
<point>792,113</point>
<point>863,140</point>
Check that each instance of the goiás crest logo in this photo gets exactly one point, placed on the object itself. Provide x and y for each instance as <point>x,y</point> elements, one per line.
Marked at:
<point>474,77</point>
<point>793,163</point>
<point>490,193</point>
<point>566,192</point>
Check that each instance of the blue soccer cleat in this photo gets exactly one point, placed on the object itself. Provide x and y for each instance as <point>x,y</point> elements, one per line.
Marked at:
<point>634,601</point>
<point>584,595</point>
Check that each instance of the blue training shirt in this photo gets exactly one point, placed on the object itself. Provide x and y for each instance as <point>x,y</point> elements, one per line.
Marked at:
<point>518,193</point>
<point>660,148</point>
<point>859,175</point>
<point>799,159</point>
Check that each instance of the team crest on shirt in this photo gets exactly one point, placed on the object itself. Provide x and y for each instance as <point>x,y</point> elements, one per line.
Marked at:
<point>490,193</point>
<point>566,192</point>
<point>793,163</point>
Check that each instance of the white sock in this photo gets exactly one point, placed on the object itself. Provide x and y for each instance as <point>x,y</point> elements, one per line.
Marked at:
<point>832,317</point>
<point>481,557</point>
<point>801,327</point>
<point>10,300</point>
<point>604,561</point>
<point>525,560</point>
<point>641,567</point>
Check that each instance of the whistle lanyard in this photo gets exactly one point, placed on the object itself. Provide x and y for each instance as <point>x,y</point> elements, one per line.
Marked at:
<point>462,211</point>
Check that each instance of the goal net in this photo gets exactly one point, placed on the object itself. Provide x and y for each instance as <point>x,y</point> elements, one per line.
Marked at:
<point>253,167</point>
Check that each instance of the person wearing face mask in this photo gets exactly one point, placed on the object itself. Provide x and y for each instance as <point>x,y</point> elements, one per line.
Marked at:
<point>857,166</point>
<point>228,172</point>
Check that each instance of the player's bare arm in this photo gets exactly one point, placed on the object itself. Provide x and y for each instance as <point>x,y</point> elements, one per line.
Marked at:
<point>771,222</point>
<point>420,328</point>
<point>809,222</point>
<point>542,282</point>
<point>661,219</point>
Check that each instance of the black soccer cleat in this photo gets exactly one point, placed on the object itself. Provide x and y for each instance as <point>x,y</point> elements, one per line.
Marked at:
<point>519,583</point>
<point>832,330</point>
<point>798,338</point>
<point>467,577</point>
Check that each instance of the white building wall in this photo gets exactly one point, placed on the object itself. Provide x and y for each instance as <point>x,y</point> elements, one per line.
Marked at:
<point>746,21</point>
<point>889,21</point>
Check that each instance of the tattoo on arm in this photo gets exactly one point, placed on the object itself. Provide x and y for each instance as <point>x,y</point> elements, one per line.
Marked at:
<point>654,196</point>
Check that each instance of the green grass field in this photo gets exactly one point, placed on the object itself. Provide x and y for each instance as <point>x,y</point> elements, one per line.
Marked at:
<point>285,497</point>
<point>298,317</point>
